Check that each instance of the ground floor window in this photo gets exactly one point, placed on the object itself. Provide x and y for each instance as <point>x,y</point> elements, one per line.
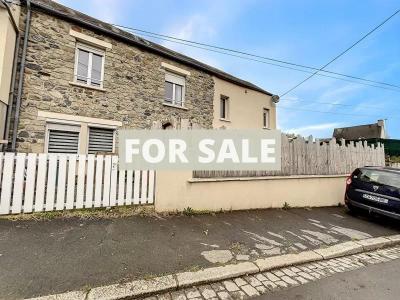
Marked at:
<point>101,140</point>
<point>62,138</point>
<point>79,139</point>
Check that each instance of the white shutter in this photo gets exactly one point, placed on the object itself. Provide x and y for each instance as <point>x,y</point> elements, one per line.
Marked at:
<point>63,141</point>
<point>173,78</point>
<point>100,140</point>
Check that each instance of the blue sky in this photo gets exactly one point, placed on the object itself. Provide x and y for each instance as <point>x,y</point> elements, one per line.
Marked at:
<point>306,32</point>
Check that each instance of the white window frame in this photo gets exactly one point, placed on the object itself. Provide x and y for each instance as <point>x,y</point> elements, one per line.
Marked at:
<point>94,125</point>
<point>68,126</point>
<point>91,50</point>
<point>81,127</point>
<point>175,79</point>
<point>266,126</point>
<point>227,104</point>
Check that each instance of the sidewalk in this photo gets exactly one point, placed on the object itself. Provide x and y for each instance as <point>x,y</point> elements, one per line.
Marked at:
<point>48,257</point>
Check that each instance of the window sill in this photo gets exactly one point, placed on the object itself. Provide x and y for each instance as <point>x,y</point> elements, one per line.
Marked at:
<point>87,86</point>
<point>267,128</point>
<point>175,106</point>
<point>224,120</point>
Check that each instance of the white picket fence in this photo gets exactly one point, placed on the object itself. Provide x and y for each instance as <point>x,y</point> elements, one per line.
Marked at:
<point>46,182</point>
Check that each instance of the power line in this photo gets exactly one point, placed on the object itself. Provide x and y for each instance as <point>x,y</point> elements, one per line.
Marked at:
<point>331,112</point>
<point>333,103</point>
<point>155,36</point>
<point>343,52</point>
<point>253,55</point>
<point>171,39</point>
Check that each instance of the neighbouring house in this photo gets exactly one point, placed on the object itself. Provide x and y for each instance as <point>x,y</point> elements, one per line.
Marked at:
<point>84,79</point>
<point>9,19</point>
<point>236,106</point>
<point>372,134</point>
<point>361,132</point>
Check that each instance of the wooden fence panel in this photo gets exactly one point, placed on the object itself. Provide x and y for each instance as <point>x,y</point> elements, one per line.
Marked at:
<point>18,183</point>
<point>51,183</point>
<point>99,181</point>
<point>30,182</point>
<point>80,189</point>
<point>302,156</point>
<point>71,182</point>
<point>89,181</point>
<point>61,186</point>
<point>107,182</point>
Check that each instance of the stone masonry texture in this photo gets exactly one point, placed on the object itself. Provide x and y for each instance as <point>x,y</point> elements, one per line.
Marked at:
<point>134,83</point>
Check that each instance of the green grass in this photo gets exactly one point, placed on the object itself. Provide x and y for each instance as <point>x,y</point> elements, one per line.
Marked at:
<point>86,214</point>
<point>395,159</point>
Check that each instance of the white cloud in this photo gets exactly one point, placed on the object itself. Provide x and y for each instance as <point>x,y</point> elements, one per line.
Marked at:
<point>196,28</point>
<point>313,129</point>
<point>204,26</point>
<point>106,10</point>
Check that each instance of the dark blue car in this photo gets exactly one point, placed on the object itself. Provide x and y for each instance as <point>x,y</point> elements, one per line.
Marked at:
<point>375,190</point>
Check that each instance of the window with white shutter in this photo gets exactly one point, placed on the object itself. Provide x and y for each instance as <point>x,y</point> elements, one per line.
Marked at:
<point>174,89</point>
<point>62,138</point>
<point>100,140</point>
<point>89,65</point>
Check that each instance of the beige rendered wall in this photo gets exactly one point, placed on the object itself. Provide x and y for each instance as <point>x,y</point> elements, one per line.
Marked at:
<point>176,191</point>
<point>245,106</point>
<point>7,46</point>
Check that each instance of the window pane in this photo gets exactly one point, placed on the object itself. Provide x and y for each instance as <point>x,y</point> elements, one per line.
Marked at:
<point>266,118</point>
<point>168,91</point>
<point>97,61</point>
<point>83,65</point>
<point>223,109</point>
<point>178,94</point>
<point>379,177</point>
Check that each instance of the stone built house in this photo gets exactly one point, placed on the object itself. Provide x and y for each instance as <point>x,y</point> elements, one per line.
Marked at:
<point>84,79</point>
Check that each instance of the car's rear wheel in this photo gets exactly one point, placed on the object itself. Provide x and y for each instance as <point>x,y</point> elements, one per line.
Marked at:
<point>352,210</point>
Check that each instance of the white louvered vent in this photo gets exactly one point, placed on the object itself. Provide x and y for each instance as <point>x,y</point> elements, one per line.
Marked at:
<point>100,140</point>
<point>62,141</point>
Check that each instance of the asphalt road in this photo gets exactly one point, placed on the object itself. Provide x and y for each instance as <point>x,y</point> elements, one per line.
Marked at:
<point>47,257</point>
<point>380,281</point>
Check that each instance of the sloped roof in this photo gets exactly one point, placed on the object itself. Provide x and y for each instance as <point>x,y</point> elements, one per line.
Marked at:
<point>61,11</point>
<point>368,131</point>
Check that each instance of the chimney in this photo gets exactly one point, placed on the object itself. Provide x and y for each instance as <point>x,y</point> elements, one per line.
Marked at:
<point>381,124</point>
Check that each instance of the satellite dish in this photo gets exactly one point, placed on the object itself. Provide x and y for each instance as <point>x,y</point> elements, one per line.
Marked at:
<point>275,98</point>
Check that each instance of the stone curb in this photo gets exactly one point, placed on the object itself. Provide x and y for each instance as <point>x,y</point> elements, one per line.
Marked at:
<point>142,288</point>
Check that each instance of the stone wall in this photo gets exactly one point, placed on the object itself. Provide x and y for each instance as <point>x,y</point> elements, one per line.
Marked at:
<point>133,83</point>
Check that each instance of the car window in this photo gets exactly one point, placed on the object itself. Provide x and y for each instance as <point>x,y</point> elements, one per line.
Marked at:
<point>380,177</point>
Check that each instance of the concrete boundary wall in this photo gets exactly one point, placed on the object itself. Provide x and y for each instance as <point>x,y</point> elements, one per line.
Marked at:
<point>177,190</point>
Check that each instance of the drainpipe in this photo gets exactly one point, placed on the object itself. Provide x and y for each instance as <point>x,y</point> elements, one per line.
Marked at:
<point>6,132</point>
<point>21,76</point>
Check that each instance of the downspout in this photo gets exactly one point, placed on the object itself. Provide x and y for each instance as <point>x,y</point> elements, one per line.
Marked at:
<point>6,132</point>
<point>21,75</point>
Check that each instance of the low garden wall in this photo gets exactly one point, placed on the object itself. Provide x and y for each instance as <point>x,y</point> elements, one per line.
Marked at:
<point>177,191</point>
